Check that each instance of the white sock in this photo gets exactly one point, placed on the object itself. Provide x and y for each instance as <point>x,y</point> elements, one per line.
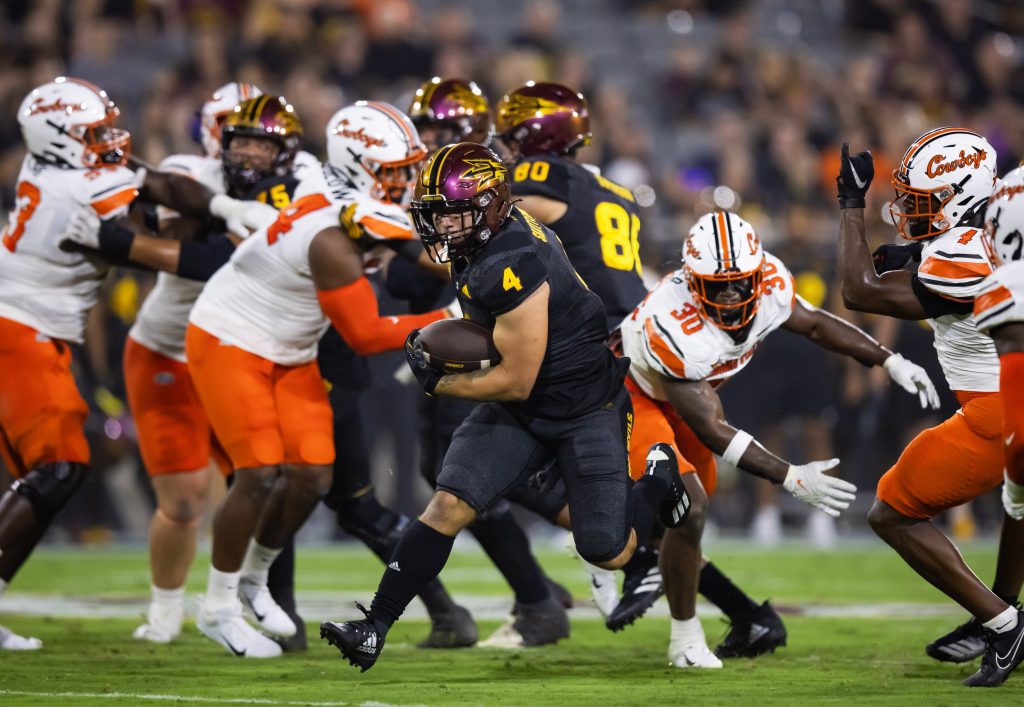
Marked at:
<point>221,590</point>
<point>258,560</point>
<point>168,599</point>
<point>687,631</point>
<point>1003,621</point>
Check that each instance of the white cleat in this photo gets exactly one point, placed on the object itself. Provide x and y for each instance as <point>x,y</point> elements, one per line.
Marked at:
<point>228,628</point>
<point>162,625</point>
<point>505,636</point>
<point>692,655</point>
<point>604,585</point>
<point>10,641</point>
<point>256,599</point>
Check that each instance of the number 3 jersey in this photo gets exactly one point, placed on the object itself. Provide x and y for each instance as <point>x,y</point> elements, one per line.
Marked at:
<point>599,230</point>
<point>41,285</point>
<point>667,338</point>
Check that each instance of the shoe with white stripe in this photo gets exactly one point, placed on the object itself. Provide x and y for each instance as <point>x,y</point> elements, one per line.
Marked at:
<point>640,589</point>
<point>1003,653</point>
<point>692,655</point>
<point>227,627</point>
<point>359,641</point>
<point>964,643</point>
<point>257,600</point>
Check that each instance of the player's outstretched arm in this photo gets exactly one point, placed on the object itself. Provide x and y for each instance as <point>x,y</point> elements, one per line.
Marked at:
<point>701,408</point>
<point>835,334</point>
<point>521,337</point>
<point>348,300</point>
<point>863,289</point>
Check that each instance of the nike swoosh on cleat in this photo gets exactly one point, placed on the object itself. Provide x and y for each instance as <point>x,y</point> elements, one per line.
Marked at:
<point>1010,654</point>
<point>234,650</point>
<point>1009,440</point>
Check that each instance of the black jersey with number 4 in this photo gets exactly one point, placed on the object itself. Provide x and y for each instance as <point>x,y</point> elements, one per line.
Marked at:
<point>599,230</point>
<point>579,373</point>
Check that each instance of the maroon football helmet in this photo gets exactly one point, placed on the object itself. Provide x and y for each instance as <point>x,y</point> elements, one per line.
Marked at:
<point>463,196</point>
<point>450,110</point>
<point>266,117</point>
<point>541,118</point>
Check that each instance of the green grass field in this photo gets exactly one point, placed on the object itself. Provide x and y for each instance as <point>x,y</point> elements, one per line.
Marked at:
<point>829,660</point>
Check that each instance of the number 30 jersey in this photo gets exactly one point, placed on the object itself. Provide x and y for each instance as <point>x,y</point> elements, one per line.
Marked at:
<point>600,228</point>
<point>42,286</point>
<point>667,337</point>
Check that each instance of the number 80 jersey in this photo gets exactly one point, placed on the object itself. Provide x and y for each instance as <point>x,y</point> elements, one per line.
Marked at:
<point>667,337</point>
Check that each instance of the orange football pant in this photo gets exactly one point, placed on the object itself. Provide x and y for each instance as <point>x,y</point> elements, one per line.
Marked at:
<point>174,434</point>
<point>42,414</point>
<point>263,413</point>
<point>950,463</point>
<point>1011,391</point>
<point>655,421</point>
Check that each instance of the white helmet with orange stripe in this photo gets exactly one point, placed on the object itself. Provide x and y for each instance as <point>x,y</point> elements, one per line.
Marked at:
<point>216,110</point>
<point>70,122</point>
<point>1004,219</point>
<point>375,147</point>
<point>944,179</point>
<point>724,262</point>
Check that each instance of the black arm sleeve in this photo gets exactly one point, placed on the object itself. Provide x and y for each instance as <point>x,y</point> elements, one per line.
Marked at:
<point>410,282</point>
<point>935,304</point>
<point>199,260</point>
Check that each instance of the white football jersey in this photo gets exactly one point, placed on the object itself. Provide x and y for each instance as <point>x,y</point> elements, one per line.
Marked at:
<point>667,338</point>
<point>954,266</point>
<point>42,286</point>
<point>1001,300</point>
<point>379,220</point>
<point>163,318</point>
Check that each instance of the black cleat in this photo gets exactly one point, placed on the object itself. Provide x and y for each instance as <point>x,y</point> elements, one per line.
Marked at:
<point>640,589</point>
<point>761,632</point>
<point>662,464</point>
<point>964,643</point>
<point>359,641</point>
<point>451,629</point>
<point>531,625</point>
<point>1003,653</point>
<point>562,595</point>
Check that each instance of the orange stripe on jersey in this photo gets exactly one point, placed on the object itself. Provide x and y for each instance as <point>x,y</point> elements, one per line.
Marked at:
<point>955,269</point>
<point>663,352</point>
<point>990,300</point>
<point>723,240</point>
<point>386,229</point>
<point>116,201</point>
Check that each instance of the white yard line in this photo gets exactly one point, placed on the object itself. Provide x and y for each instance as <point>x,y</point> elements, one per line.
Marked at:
<point>184,698</point>
<point>317,606</point>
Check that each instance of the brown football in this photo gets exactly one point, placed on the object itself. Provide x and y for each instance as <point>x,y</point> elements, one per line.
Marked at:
<point>458,346</point>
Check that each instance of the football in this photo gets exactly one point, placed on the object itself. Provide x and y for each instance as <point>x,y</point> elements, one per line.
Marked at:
<point>458,346</point>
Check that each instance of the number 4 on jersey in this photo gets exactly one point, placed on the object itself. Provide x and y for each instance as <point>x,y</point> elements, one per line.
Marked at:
<point>510,281</point>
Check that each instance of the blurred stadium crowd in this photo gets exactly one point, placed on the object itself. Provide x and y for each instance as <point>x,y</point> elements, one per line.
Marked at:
<point>694,103</point>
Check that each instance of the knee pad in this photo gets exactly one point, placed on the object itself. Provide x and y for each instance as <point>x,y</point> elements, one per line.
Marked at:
<point>377,526</point>
<point>49,486</point>
<point>599,544</point>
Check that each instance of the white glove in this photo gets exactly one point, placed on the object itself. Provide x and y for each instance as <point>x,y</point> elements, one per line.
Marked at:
<point>258,215</point>
<point>84,228</point>
<point>912,379</point>
<point>1013,498</point>
<point>453,310</point>
<point>233,212</point>
<point>810,484</point>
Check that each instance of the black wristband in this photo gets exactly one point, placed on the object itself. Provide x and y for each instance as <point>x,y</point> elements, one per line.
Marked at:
<point>115,240</point>
<point>199,260</point>
<point>851,202</point>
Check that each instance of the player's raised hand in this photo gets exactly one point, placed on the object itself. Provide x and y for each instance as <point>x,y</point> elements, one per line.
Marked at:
<point>809,483</point>
<point>913,379</point>
<point>855,175</point>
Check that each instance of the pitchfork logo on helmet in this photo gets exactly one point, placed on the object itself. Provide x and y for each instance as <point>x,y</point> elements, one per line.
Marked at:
<point>265,117</point>
<point>724,261</point>
<point>462,198</point>
<point>70,122</point>
<point>376,149</point>
<point>216,110</point>
<point>541,118</point>
<point>1004,219</point>
<point>446,111</point>
<point>942,181</point>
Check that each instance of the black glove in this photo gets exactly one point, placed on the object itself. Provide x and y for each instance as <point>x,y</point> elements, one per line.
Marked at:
<point>855,175</point>
<point>426,375</point>
<point>891,256</point>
